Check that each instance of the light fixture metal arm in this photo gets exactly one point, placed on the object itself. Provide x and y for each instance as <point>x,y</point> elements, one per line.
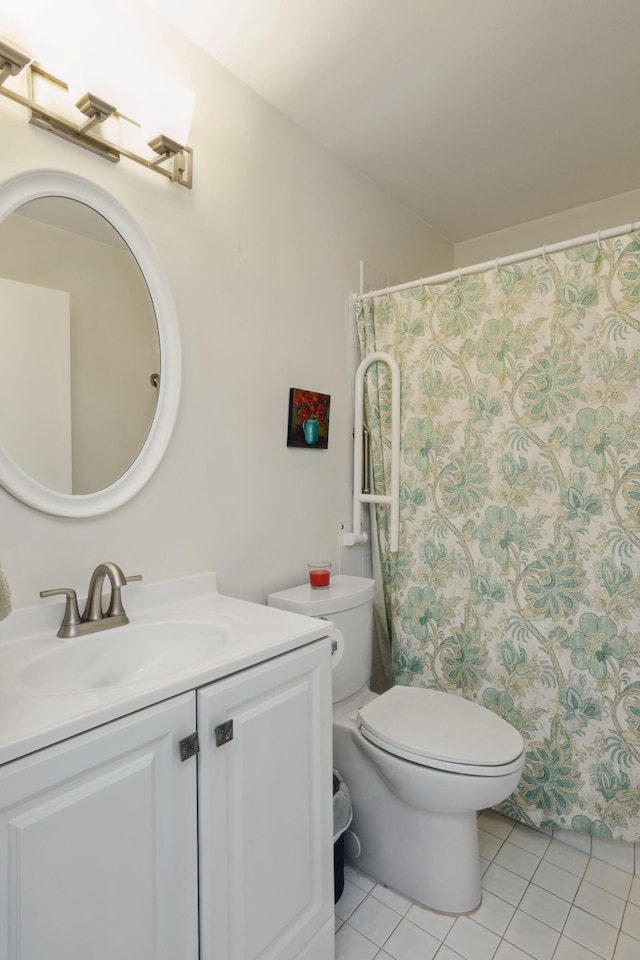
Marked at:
<point>174,160</point>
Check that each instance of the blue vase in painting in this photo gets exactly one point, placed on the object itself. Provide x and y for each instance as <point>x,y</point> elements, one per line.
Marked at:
<point>311,430</point>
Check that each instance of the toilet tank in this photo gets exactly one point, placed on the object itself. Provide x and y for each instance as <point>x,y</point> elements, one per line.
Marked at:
<point>348,603</point>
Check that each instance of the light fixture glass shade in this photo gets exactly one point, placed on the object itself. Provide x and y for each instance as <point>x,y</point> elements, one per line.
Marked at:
<point>165,107</point>
<point>89,48</point>
<point>147,103</point>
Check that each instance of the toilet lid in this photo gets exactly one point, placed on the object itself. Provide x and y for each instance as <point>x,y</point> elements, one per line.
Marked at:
<point>417,723</point>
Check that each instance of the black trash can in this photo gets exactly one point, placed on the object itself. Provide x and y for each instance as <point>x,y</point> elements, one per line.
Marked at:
<point>342,817</point>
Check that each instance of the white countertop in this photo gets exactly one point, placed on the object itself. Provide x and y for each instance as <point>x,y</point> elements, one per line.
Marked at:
<point>31,719</point>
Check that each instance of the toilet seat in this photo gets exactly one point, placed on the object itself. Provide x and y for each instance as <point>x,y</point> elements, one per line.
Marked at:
<point>441,730</point>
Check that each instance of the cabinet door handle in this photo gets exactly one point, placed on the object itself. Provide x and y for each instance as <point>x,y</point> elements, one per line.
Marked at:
<point>189,746</point>
<point>224,733</point>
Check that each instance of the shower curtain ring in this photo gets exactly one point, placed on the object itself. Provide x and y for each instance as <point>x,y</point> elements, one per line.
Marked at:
<point>544,252</point>
<point>497,264</point>
<point>459,274</point>
<point>598,240</point>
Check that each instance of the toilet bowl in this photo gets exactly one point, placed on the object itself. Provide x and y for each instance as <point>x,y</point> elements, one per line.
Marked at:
<point>419,763</point>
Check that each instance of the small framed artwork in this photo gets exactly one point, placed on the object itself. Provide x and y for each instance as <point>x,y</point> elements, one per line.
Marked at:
<point>308,419</point>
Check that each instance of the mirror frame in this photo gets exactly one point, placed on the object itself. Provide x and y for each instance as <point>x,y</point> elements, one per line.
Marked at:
<point>32,186</point>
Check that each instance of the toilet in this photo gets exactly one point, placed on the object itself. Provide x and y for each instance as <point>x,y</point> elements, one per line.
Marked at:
<point>419,764</point>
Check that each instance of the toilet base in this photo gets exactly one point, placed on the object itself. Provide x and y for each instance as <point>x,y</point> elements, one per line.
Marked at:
<point>446,877</point>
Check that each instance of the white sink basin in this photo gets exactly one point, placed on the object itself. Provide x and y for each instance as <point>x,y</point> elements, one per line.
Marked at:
<point>126,655</point>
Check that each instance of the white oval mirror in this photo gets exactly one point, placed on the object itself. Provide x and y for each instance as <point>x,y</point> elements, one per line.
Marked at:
<point>90,361</point>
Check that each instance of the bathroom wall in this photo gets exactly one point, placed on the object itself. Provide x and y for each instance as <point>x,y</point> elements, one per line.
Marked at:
<point>577,222</point>
<point>261,257</point>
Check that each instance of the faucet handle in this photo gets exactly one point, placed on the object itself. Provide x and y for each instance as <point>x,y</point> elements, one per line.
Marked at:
<point>71,617</point>
<point>136,576</point>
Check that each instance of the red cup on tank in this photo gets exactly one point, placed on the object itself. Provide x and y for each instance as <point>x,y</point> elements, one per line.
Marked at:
<point>319,575</point>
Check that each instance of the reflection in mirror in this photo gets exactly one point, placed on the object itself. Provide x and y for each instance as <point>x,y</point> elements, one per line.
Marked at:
<point>80,347</point>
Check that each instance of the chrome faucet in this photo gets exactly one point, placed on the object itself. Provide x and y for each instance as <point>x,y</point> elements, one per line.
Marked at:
<point>93,616</point>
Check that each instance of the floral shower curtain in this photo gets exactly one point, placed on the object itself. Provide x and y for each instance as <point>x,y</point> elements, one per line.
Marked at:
<point>517,582</point>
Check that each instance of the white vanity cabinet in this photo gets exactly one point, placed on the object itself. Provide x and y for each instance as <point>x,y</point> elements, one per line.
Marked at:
<point>105,836</point>
<point>266,811</point>
<point>98,836</point>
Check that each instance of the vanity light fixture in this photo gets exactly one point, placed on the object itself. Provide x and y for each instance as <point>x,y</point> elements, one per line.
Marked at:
<point>173,161</point>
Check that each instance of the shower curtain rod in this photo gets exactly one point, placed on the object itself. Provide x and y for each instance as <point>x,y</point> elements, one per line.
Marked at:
<point>502,261</point>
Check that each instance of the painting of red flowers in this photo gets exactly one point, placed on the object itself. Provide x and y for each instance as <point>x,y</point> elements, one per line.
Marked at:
<point>308,419</point>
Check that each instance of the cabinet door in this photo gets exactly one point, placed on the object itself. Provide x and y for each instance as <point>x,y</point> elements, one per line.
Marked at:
<point>98,844</point>
<point>266,809</point>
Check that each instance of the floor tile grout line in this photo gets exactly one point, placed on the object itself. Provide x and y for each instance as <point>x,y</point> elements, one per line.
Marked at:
<point>441,942</point>
<point>529,882</point>
<point>581,877</point>
<point>571,903</point>
<point>590,856</point>
<point>380,947</point>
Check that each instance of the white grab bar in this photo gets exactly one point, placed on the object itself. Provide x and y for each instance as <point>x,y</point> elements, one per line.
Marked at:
<point>350,539</point>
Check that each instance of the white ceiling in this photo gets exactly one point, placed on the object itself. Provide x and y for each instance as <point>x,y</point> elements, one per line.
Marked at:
<point>475,114</point>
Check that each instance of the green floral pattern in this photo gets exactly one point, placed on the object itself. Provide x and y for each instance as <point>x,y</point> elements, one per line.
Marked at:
<point>595,641</point>
<point>517,582</point>
<point>499,339</point>
<point>596,431</point>
<point>500,529</point>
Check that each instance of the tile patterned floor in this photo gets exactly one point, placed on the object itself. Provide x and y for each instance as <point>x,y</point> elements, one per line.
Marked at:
<point>542,900</point>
